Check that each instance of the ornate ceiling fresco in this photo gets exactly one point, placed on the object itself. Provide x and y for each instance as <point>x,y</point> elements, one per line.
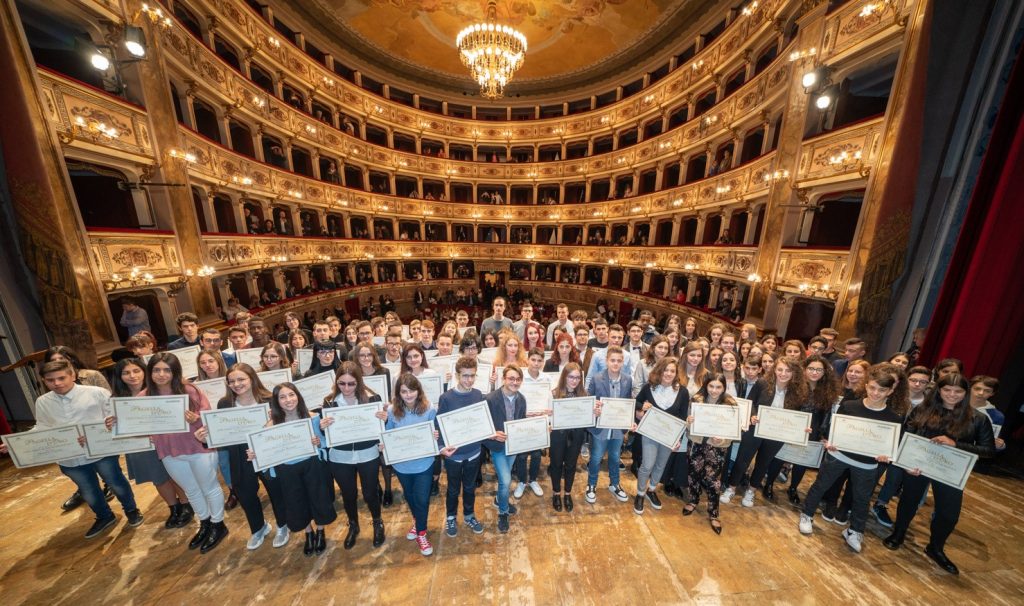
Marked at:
<point>572,43</point>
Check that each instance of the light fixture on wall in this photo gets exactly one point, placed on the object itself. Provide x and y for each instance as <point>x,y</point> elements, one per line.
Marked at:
<point>492,52</point>
<point>203,271</point>
<point>818,291</point>
<point>136,277</point>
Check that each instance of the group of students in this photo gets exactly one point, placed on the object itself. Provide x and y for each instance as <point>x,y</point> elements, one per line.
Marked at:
<point>669,371</point>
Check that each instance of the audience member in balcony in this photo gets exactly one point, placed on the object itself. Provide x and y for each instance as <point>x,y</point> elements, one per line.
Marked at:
<point>331,175</point>
<point>497,198</point>
<point>252,222</point>
<point>134,318</point>
<point>281,227</point>
<point>724,238</point>
<point>233,307</point>
<point>429,196</point>
<point>295,100</point>
<point>485,197</point>
<point>349,126</point>
<point>268,227</point>
<point>629,192</point>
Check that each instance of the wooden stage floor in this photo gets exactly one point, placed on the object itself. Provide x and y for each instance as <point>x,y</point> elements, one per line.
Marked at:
<point>599,554</point>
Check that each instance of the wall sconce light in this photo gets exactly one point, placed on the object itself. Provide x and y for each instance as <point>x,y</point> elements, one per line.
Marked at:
<point>137,277</point>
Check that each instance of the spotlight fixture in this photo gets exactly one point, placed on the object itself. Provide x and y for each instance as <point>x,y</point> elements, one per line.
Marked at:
<point>87,49</point>
<point>826,98</point>
<point>809,79</point>
<point>135,41</point>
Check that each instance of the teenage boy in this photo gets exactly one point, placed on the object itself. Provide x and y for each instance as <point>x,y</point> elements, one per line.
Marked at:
<point>497,321</point>
<point>527,465</point>
<point>525,316</point>
<point>427,335</point>
<point>461,464</point>
<point>598,360</point>
<point>505,403</point>
<point>749,387</point>
<point>609,383</point>
<point>562,321</point>
<point>188,329</point>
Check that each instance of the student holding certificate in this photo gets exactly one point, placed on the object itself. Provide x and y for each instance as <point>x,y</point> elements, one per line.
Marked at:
<point>414,361</point>
<point>566,443</point>
<point>885,400</point>
<point>212,366</point>
<point>694,370</point>
<point>506,404</point>
<point>664,391</point>
<point>410,406</point>
<point>309,500</point>
<point>510,351</point>
<point>365,356</point>
<point>613,382</point>
<point>461,464</point>
<point>707,455</point>
<point>189,463</point>
<point>275,357</point>
<point>527,465</point>
<point>69,403</point>
<point>564,352</point>
<point>246,389</point>
<point>946,418</point>
<point>358,459</point>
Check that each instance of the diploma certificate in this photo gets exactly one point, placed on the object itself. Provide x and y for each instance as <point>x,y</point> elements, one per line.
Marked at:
<point>946,464</point>
<point>149,415</point>
<point>409,443</point>
<point>304,357</point>
<point>781,425</point>
<point>228,426</point>
<point>282,443</point>
<point>379,385</point>
<point>215,389</point>
<point>572,413</point>
<point>538,396</point>
<point>314,390</point>
<point>432,388</point>
<point>487,355</point>
<point>352,424</point>
<point>996,429</point>
<point>187,356</point>
<point>663,428</point>
<point>808,455</point>
<point>394,370</point>
<point>552,377</point>
<point>483,377</point>
<point>715,421</point>
<point>526,435</point>
<point>864,436</point>
<point>100,442</point>
<point>466,425</point>
<point>43,446</point>
<point>617,413</point>
<point>273,378</point>
<point>249,356</point>
<point>744,405</point>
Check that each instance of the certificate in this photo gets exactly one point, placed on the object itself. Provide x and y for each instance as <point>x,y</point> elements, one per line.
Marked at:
<point>304,357</point>
<point>444,365</point>
<point>352,424</point>
<point>617,413</point>
<point>538,396</point>
<point>395,370</point>
<point>379,385</point>
<point>781,425</point>
<point>100,442</point>
<point>282,443</point>
<point>552,377</point>
<point>466,425</point>
<point>487,354</point>
<point>570,413</point>
<point>187,357</point>
<point>215,389</point>
<point>149,415</point>
<point>43,446</point>
<point>314,390</point>
<point>483,377</point>
<point>863,436</point>
<point>526,435</point>
<point>409,443</point>
<point>946,464</point>
<point>228,426</point>
<point>715,421</point>
<point>249,356</point>
<point>745,405</point>
<point>432,387</point>
<point>808,455</point>
<point>996,429</point>
<point>273,378</point>
<point>663,428</point>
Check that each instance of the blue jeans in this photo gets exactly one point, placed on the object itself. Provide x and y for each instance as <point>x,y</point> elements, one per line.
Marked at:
<point>108,468</point>
<point>224,462</point>
<point>416,489</point>
<point>597,449</point>
<point>503,469</point>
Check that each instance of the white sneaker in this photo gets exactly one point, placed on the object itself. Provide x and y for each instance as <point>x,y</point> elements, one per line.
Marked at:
<point>257,538</point>
<point>282,536</point>
<point>590,495</point>
<point>537,490</point>
<point>748,498</point>
<point>854,539</point>
<point>806,524</point>
<point>619,493</point>
<point>520,489</point>
<point>727,496</point>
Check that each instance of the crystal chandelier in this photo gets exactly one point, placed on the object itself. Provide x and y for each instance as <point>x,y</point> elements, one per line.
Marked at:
<point>493,52</point>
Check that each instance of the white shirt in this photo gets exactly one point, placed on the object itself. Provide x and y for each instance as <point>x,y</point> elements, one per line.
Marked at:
<point>664,397</point>
<point>83,404</point>
<point>779,401</point>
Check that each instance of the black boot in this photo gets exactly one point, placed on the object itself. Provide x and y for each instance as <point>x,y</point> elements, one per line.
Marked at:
<point>940,558</point>
<point>768,492</point>
<point>172,521</point>
<point>794,497</point>
<point>319,541</point>
<point>353,532</point>
<point>895,540</point>
<point>218,530</point>
<point>378,532</point>
<point>186,515</point>
<point>307,549</point>
<point>200,537</point>
<point>388,499</point>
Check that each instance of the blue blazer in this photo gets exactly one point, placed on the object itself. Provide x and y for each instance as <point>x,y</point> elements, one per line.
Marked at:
<point>496,402</point>
<point>600,387</point>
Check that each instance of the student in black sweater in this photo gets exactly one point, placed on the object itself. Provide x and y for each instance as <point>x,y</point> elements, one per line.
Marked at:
<point>461,464</point>
<point>947,418</point>
<point>885,400</point>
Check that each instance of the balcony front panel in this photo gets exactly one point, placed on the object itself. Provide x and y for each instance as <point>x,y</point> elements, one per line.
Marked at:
<point>833,156</point>
<point>812,267</point>
<point>852,26</point>
<point>119,252</point>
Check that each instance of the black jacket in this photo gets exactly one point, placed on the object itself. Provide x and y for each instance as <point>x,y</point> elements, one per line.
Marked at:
<point>496,402</point>
<point>680,408</point>
<point>978,438</point>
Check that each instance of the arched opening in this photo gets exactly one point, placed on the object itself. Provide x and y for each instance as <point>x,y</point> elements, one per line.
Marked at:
<point>679,117</point>
<point>412,270</point>
<point>104,197</point>
<point>383,229</point>
<point>147,300</point>
<point>226,52</point>
<point>652,128</point>
<point>704,102</point>
<point>241,139</point>
<point>648,180</point>
<point>808,317</point>
<point>696,168</point>
<point>405,143</point>
<point>723,159</point>
<point>188,19</point>
<point>688,232</point>
<point>310,223</point>
<point>406,187</point>
<point>663,235</point>
<point>641,234</point>
<point>628,138</point>
<point>302,161</point>
<point>569,274</point>
<point>835,222</point>
<point>636,281</point>
<point>329,172</point>
<point>206,120</point>
<point>379,183</point>
<point>353,177</point>
<point>359,228</point>
<point>596,235</point>
<point>261,78</point>
<point>572,234</point>
<point>335,226</point>
<point>255,222</point>
<point>197,204</point>
<point>409,230</point>
<point>670,178</point>
<point>766,57</point>
<point>293,97</point>
<point>522,235</point>
<point>437,270</point>
<point>576,149</point>
<point>592,275</point>
<point>436,232</point>
<point>282,221</point>
<point>575,193</point>
<point>603,145</point>
<point>323,113</point>
<point>735,81</point>
<point>753,142</point>
<point>712,229</point>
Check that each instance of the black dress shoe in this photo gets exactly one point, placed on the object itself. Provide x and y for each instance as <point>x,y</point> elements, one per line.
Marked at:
<point>768,492</point>
<point>73,501</point>
<point>218,530</point>
<point>689,509</point>
<point>794,497</point>
<point>199,537</point>
<point>940,558</point>
<point>186,516</point>
<point>307,549</point>
<point>895,540</point>
<point>669,489</point>
<point>715,525</point>
<point>567,500</point>
<point>320,541</point>
<point>378,533</point>
<point>231,502</point>
<point>388,499</point>
<point>172,520</point>
<point>353,532</point>
<point>556,502</point>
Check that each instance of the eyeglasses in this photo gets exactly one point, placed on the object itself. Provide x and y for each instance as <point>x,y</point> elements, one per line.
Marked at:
<point>917,381</point>
<point>465,376</point>
<point>513,379</point>
<point>813,369</point>
<point>347,383</point>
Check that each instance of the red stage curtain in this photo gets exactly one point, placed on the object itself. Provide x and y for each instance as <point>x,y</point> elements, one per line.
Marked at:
<point>979,316</point>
